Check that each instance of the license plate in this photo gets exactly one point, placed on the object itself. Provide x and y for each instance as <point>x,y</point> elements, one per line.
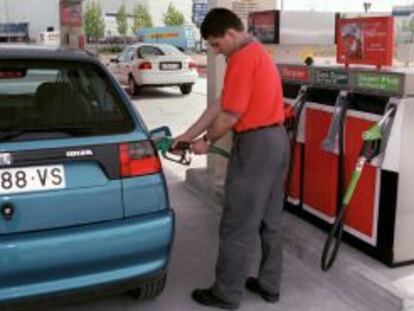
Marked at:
<point>30,179</point>
<point>170,66</point>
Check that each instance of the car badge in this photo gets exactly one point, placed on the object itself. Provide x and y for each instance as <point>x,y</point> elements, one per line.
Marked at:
<point>79,153</point>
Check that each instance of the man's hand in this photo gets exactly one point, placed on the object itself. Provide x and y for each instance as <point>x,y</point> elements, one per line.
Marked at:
<point>199,146</point>
<point>199,127</point>
<point>185,138</point>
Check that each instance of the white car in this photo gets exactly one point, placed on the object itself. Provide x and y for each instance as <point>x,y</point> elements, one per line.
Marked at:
<point>154,65</point>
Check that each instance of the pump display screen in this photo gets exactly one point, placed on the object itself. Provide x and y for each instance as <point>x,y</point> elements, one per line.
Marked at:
<point>380,82</point>
<point>332,78</point>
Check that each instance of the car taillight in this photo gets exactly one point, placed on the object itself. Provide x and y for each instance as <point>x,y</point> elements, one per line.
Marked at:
<point>192,65</point>
<point>138,158</point>
<point>11,74</point>
<point>145,66</point>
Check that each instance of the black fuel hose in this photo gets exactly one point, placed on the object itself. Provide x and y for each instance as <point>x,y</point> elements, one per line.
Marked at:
<point>333,242</point>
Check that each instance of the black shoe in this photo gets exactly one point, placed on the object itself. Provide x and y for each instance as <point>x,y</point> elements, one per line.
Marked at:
<point>206,297</point>
<point>252,285</point>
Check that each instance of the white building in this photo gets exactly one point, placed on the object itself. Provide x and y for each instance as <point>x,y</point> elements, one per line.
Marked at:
<point>42,14</point>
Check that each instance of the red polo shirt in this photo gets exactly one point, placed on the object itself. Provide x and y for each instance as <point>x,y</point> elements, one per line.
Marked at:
<point>252,88</point>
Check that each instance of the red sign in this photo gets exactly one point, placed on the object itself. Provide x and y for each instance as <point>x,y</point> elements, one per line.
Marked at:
<point>297,73</point>
<point>71,14</point>
<point>366,40</point>
<point>264,26</point>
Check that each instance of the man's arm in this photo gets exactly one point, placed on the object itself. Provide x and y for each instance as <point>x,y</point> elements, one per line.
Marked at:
<point>222,124</point>
<point>205,121</point>
<point>201,125</point>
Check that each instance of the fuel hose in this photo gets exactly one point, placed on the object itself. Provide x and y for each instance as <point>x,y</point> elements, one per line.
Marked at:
<point>372,139</point>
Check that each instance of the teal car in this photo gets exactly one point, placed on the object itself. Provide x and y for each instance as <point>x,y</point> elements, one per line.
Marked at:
<point>83,199</point>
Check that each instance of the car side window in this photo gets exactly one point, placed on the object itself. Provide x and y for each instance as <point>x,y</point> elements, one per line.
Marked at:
<point>130,55</point>
<point>149,51</point>
<point>122,57</point>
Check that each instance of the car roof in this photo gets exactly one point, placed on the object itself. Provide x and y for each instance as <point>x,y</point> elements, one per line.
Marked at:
<point>159,45</point>
<point>36,52</point>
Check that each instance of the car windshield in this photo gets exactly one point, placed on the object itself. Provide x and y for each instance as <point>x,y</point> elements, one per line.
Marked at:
<point>73,96</point>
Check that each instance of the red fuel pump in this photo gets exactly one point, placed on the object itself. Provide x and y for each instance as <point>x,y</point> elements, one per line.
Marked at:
<point>378,218</point>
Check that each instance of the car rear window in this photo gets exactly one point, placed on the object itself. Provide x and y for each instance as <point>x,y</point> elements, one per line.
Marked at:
<point>149,51</point>
<point>171,50</point>
<point>42,95</point>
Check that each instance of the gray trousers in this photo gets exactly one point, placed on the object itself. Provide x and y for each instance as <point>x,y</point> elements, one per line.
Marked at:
<point>254,194</point>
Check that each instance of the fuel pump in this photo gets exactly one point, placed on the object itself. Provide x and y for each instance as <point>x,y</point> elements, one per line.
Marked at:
<point>373,145</point>
<point>378,219</point>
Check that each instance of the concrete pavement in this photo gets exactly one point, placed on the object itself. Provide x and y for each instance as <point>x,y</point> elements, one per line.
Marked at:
<point>193,261</point>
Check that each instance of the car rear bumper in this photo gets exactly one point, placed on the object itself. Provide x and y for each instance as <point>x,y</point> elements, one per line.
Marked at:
<point>82,258</point>
<point>166,78</point>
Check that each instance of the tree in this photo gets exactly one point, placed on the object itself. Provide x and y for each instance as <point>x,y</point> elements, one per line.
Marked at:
<point>94,21</point>
<point>173,17</point>
<point>122,20</point>
<point>142,18</point>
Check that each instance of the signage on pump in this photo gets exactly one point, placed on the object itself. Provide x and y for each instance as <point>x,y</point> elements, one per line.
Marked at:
<point>332,78</point>
<point>297,73</point>
<point>380,82</point>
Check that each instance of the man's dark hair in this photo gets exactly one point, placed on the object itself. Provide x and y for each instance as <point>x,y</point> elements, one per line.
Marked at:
<point>218,21</point>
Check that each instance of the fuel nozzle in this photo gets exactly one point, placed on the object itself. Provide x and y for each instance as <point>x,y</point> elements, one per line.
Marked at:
<point>179,154</point>
<point>294,112</point>
<point>374,137</point>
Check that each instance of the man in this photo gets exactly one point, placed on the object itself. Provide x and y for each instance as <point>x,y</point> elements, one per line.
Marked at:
<point>251,105</point>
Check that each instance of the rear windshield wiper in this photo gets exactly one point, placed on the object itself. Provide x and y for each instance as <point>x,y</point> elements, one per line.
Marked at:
<point>8,134</point>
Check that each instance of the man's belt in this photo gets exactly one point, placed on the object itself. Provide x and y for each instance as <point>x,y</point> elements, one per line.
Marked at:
<point>258,128</point>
